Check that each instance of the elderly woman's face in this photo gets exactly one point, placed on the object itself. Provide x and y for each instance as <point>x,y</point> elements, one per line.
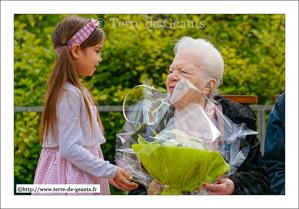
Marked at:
<point>184,66</point>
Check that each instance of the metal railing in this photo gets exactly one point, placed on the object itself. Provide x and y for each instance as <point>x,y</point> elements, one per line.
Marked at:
<point>260,109</point>
<point>261,121</point>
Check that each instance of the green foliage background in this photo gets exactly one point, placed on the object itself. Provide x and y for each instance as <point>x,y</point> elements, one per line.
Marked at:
<point>253,49</point>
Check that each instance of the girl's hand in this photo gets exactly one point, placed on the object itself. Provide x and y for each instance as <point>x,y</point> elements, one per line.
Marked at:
<point>120,180</point>
<point>224,187</point>
<point>113,183</point>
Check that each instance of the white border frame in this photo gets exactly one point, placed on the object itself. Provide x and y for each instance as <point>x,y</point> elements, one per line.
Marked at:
<point>8,9</point>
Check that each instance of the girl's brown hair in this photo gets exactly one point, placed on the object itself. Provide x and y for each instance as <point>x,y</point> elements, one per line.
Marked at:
<point>64,71</point>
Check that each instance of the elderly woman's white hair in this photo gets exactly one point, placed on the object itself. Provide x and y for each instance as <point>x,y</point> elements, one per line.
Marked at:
<point>209,59</point>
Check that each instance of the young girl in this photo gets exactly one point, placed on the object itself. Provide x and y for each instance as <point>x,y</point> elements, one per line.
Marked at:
<point>71,127</point>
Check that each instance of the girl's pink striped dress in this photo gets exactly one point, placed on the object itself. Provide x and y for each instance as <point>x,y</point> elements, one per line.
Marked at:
<point>77,159</point>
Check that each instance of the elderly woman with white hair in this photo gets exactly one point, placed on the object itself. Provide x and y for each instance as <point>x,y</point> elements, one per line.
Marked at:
<point>201,63</point>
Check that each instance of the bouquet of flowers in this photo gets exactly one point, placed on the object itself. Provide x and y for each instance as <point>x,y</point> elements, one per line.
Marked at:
<point>172,143</point>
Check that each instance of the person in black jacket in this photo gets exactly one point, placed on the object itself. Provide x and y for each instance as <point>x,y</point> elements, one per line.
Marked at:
<point>201,63</point>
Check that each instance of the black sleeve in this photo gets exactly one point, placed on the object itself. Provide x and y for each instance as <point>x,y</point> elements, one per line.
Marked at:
<point>251,178</point>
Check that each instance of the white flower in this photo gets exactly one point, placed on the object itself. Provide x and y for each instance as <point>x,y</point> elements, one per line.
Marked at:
<point>171,142</point>
<point>180,137</point>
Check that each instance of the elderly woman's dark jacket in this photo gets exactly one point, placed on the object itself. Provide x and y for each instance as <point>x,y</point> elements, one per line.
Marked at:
<point>251,178</point>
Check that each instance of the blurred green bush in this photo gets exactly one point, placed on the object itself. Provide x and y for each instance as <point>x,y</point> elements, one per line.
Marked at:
<point>252,46</point>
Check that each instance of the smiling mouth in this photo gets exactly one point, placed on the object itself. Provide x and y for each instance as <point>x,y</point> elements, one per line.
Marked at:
<point>171,88</point>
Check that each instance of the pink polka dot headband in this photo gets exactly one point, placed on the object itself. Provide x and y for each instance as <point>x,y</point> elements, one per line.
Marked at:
<point>80,36</point>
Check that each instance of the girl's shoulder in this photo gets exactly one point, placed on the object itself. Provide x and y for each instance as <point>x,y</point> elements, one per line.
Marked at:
<point>69,88</point>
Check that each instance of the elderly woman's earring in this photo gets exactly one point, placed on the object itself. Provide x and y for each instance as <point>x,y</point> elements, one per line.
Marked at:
<point>210,89</point>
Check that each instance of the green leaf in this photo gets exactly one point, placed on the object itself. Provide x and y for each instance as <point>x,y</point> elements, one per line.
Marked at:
<point>141,140</point>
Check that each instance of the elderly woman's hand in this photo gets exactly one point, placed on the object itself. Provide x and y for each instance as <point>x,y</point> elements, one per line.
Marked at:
<point>225,186</point>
